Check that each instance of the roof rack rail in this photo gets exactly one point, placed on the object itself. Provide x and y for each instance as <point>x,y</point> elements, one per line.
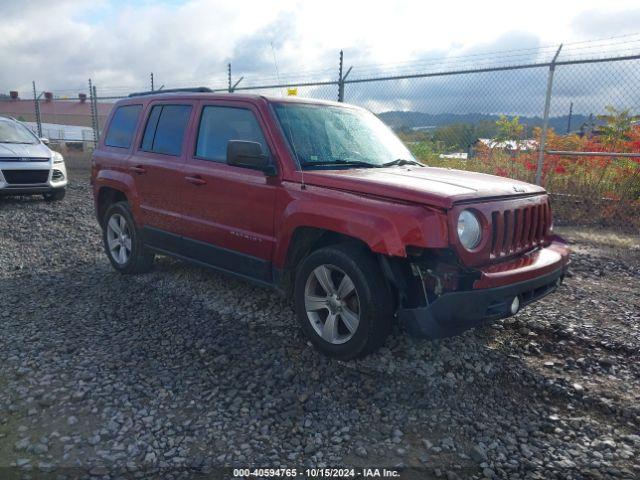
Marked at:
<point>172,90</point>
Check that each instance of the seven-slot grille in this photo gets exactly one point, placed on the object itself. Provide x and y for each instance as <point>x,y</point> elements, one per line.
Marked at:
<point>520,229</point>
<point>25,177</point>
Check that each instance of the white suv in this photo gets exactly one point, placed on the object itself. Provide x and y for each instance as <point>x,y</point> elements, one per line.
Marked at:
<point>27,165</point>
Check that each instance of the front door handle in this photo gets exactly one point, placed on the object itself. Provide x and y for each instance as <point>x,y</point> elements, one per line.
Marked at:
<point>195,180</point>
<point>138,169</point>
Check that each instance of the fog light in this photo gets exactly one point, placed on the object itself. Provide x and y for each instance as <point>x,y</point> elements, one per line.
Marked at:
<point>515,305</point>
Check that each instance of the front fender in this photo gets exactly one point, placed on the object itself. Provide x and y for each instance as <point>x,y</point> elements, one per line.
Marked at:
<point>386,226</point>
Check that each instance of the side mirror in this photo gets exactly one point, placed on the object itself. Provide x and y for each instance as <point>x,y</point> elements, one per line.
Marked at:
<point>44,140</point>
<point>241,153</point>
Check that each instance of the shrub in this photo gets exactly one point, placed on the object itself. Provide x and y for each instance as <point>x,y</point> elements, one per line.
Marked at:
<point>586,189</point>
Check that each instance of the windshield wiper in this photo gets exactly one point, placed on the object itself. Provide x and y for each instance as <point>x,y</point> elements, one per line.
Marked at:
<point>401,161</point>
<point>340,162</point>
<point>17,143</point>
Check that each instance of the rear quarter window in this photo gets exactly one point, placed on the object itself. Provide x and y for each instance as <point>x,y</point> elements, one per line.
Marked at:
<point>165,129</point>
<point>123,126</point>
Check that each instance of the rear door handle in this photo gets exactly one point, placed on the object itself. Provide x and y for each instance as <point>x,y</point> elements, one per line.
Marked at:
<point>138,169</point>
<point>195,180</point>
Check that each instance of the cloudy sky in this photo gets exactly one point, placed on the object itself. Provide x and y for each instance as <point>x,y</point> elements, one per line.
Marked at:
<point>118,43</point>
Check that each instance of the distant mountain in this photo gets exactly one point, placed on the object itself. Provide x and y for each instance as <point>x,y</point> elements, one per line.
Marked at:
<point>412,120</point>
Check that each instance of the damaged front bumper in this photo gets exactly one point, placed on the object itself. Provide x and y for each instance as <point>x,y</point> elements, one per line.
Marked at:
<point>500,291</point>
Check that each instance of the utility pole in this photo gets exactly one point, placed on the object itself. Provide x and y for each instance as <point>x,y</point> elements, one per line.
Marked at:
<point>152,89</point>
<point>569,119</point>
<point>545,121</point>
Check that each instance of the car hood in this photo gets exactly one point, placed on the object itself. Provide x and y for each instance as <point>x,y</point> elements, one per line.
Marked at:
<point>14,150</point>
<point>439,187</point>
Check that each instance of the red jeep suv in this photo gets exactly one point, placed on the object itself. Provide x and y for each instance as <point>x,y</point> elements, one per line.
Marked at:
<point>323,202</point>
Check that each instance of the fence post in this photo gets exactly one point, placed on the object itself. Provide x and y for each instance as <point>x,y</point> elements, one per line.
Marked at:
<point>36,102</point>
<point>545,119</point>
<point>340,83</point>
<point>93,114</point>
<point>232,88</point>
<point>342,78</point>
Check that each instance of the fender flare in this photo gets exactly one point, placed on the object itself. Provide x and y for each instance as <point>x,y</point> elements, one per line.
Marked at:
<point>118,181</point>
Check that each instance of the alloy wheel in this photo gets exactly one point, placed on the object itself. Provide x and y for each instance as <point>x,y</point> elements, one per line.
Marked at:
<point>332,304</point>
<point>119,239</point>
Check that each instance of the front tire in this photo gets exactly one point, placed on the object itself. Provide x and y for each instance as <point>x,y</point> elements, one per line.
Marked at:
<point>342,302</point>
<point>123,241</point>
<point>54,195</point>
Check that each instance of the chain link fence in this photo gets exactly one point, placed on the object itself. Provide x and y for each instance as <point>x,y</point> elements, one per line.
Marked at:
<point>568,119</point>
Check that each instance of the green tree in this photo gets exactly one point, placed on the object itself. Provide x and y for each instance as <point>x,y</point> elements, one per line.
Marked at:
<point>508,129</point>
<point>618,125</point>
<point>457,136</point>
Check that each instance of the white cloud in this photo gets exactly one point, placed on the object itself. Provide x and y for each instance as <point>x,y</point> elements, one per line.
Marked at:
<point>118,44</point>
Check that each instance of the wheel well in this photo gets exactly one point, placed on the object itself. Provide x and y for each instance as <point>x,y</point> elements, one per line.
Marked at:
<point>306,240</point>
<point>107,196</point>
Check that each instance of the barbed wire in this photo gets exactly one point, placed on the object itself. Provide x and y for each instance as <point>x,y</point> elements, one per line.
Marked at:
<point>611,46</point>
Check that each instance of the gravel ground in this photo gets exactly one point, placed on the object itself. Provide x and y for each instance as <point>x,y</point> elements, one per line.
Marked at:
<point>183,367</point>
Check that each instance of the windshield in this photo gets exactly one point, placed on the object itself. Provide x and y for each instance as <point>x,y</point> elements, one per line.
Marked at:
<point>327,136</point>
<point>14,132</point>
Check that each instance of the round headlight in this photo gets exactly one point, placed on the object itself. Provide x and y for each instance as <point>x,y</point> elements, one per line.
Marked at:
<point>469,230</point>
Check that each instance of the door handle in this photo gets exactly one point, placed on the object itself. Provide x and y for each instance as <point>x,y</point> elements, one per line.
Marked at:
<point>195,180</point>
<point>138,169</point>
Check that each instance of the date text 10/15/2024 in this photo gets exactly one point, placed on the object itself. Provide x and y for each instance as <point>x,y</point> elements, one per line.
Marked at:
<point>315,473</point>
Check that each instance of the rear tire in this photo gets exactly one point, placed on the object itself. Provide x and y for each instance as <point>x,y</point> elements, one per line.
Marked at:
<point>342,302</point>
<point>123,241</point>
<point>54,195</point>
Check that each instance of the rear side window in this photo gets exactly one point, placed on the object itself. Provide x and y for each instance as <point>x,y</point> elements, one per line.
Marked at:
<point>123,126</point>
<point>165,129</point>
<point>218,125</point>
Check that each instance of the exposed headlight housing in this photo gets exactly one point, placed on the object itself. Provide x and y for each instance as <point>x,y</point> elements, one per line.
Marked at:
<point>469,230</point>
<point>57,157</point>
